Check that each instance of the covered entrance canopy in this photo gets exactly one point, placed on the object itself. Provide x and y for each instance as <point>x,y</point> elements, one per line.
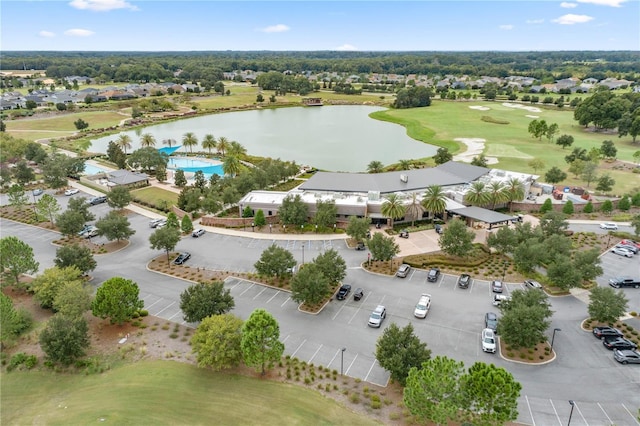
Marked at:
<point>479,214</point>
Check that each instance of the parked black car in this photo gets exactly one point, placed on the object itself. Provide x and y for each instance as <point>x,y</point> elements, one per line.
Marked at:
<point>433,275</point>
<point>618,343</point>
<point>464,281</point>
<point>438,229</point>
<point>602,332</point>
<point>404,234</point>
<point>357,295</point>
<point>360,246</point>
<point>491,321</point>
<point>182,257</point>
<point>343,292</point>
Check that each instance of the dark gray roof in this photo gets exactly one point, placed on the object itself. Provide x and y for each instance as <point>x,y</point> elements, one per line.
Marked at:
<point>445,175</point>
<point>482,215</point>
<point>125,177</point>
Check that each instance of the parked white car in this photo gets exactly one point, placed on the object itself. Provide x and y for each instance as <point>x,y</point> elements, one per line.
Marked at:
<point>71,191</point>
<point>622,252</point>
<point>422,308</point>
<point>609,225</point>
<point>488,341</point>
<point>377,316</point>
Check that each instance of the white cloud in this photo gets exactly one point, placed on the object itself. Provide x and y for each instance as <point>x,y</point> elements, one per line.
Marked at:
<point>102,5</point>
<point>346,47</point>
<point>571,19</point>
<point>47,34</point>
<point>280,28</point>
<point>534,21</point>
<point>506,27</point>
<point>78,32</point>
<point>612,3</point>
<point>568,5</point>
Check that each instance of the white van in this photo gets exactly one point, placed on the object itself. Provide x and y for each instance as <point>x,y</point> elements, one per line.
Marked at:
<point>422,308</point>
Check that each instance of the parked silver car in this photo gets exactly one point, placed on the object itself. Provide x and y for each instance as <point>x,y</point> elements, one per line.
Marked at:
<point>377,316</point>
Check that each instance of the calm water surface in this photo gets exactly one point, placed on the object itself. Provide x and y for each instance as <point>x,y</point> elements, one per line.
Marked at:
<point>336,138</point>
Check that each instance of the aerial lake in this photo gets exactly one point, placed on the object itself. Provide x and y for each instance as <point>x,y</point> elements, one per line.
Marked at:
<point>335,138</point>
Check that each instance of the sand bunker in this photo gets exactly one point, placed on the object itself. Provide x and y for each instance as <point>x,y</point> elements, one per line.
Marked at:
<point>532,116</point>
<point>528,108</point>
<point>480,107</point>
<point>475,146</point>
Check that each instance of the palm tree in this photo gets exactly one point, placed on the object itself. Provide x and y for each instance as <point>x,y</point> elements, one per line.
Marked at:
<point>147,140</point>
<point>223,145</point>
<point>414,210</point>
<point>209,142</point>
<point>190,140</point>
<point>124,142</point>
<point>231,165</point>
<point>236,149</point>
<point>496,192</point>
<point>515,191</point>
<point>477,195</point>
<point>434,201</point>
<point>405,164</point>
<point>169,142</point>
<point>375,167</point>
<point>393,208</point>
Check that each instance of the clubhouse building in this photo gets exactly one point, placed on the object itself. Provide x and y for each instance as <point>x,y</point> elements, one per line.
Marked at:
<point>362,194</point>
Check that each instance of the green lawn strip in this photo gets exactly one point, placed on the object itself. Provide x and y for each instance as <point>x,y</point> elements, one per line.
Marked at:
<point>96,119</point>
<point>153,196</point>
<point>163,392</point>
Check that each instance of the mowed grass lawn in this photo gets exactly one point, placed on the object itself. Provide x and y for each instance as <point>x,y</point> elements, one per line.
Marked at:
<point>61,125</point>
<point>153,196</point>
<point>511,143</point>
<point>162,393</point>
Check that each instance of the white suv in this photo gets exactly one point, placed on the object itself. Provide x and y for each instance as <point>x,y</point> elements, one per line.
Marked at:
<point>377,316</point>
<point>422,308</point>
<point>609,225</point>
<point>488,341</point>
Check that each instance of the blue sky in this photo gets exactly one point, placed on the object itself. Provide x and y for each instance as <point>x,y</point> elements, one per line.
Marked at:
<point>476,25</point>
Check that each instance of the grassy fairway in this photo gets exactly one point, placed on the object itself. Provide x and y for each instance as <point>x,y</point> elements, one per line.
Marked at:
<point>511,143</point>
<point>61,125</point>
<point>163,392</point>
<point>154,196</point>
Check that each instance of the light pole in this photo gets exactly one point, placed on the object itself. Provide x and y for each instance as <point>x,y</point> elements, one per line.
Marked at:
<point>316,229</point>
<point>334,228</point>
<point>303,253</point>
<point>253,224</point>
<point>284,228</point>
<point>571,413</point>
<point>553,337</point>
<point>270,228</point>
<point>342,361</point>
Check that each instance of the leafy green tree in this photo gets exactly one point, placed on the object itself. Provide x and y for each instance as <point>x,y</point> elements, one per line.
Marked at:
<point>624,204</point>
<point>73,299</point>
<point>442,156</point>
<point>480,161</point>
<point>81,206</point>
<point>70,222</point>
<point>148,159</point>
<point>587,263</point>
<point>80,124</point>
<point>117,299</point>
<point>375,167</point>
<point>562,275</point>
<point>536,164</point>
<point>514,191</point>
<point>261,346</point>
<point>231,165</point>
<point>577,154</point>
<point>332,265</point>
<point>606,207</point>
<point>565,141</point>
<point>247,212</point>
<point>496,193</point>
<point>293,210</point>
<point>47,206</point>
<point>432,392</point>
<point>414,210</point>
<point>605,183</point>
<point>114,226</point>
<point>190,140</point>
<point>525,317</point>
<point>209,142</point>
<point>326,212</point>
<point>119,197</point>
<point>635,222</point>
<point>358,227</point>
<point>275,261</point>
<point>34,151</point>
<point>204,300</point>
<point>217,342</point>
<point>477,194</point>
<point>588,208</point>
<point>161,174</point>
<point>491,394</point>
<point>577,167</point>
<point>46,286</point>
<point>310,285</point>
<point>529,254</point>
<point>189,199</point>
<point>538,128</point>
<point>23,173</point>
<point>13,322</point>
<point>259,219</point>
<point>75,255</point>
<point>607,305</point>
<point>17,197</point>
<point>172,221</point>
<point>555,175</point>
<point>16,258</point>
<point>65,339</point>
<point>399,350</point>
<point>186,225</point>
<point>179,179</point>
<point>552,131</point>
<point>504,240</point>
<point>434,200</point>
<point>54,172</point>
<point>552,223</point>
<point>456,240</point>
<point>382,247</point>
<point>147,140</point>
<point>608,149</point>
<point>547,206</point>
<point>392,207</point>
<point>165,238</point>
<point>199,181</point>
<point>589,172</point>
<point>568,208</point>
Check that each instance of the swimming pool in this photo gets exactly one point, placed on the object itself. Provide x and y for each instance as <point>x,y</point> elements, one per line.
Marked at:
<point>90,169</point>
<point>193,165</point>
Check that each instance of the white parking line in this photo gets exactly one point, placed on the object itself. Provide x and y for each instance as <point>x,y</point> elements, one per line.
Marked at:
<point>605,413</point>
<point>371,368</point>
<point>262,291</point>
<point>530,412</point>
<point>165,308</point>
<point>556,412</point>
<point>171,317</point>
<point>314,355</point>
<point>580,412</point>
<point>285,301</point>
<point>334,357</point>
<point>348,368</point>
<point>632,416</point>
<point>296,351</point>
<point>285,339</point>
<point>247,289</point>
<point>359,307</point>
<point>339,310</point>
<point>149,307</point>
<point>274,295</point>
